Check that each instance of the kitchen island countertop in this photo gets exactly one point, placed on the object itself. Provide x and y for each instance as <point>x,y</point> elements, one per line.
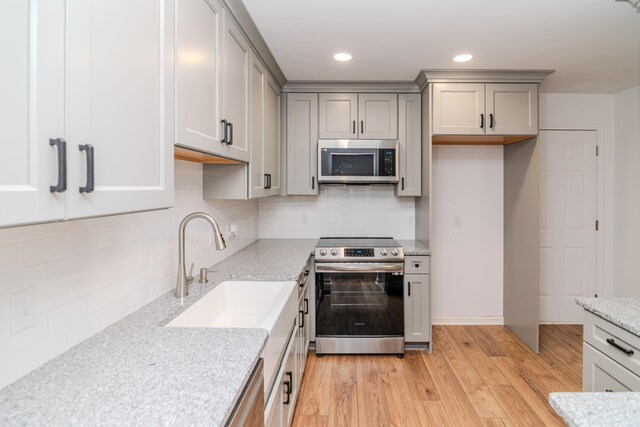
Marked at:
<point>137,372</point>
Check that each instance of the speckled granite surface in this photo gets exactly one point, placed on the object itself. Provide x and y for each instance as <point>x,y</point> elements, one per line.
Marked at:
<point>624,312</point>
<point>411,247</point>
<point>136,372</point>
<point>597,409</point>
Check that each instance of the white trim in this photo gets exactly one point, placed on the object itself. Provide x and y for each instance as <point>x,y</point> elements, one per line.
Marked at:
<point>604,239</point>
<point>560,323</point>
<point>488,320</point>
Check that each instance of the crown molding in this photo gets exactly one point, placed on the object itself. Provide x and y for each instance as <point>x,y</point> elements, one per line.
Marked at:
<point>480,76</point>
<point>350,87</point>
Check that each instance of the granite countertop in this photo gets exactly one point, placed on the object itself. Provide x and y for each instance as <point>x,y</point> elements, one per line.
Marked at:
<point>597,409</point>
<point>622,311</point>
<point>413,248</point>
<point>136,372</point>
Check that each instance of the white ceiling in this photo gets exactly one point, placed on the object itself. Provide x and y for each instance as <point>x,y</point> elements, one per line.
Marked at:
<point>594,45</point>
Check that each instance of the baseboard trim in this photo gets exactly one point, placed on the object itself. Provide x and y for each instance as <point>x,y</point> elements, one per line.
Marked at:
<point>467,320</point>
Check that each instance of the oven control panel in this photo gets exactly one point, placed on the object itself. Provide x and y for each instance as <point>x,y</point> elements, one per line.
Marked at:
<point>358,252</point>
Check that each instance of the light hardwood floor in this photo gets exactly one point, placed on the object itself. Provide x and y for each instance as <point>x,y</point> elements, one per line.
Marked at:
<point>476,375</point>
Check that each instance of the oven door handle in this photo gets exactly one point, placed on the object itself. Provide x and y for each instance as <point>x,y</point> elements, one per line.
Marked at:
<point>359,267</point>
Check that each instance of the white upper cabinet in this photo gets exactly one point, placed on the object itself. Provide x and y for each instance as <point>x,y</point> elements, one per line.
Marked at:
<point>512,109</point>
<point>458,109</point>
<point>409,143</point>
<point>338,116</point>
<point>358,116</point>
<point>235,104</point>
<point>378,116</point>
<point>120,105</point>
<point>485,109</point>
<point>302,143</point>
<point>198,75</point>
<point>31,110</point>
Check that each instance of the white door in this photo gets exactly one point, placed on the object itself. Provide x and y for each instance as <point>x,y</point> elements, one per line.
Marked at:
<point>458,109</point>
<point>512,109</point>
<point>338,116</point>
<point>257,175</point>
<point>198,75</point>
<point>120,87</point>
<point>31,110</point>
<point>235,104</point>
<point>271,153</point>
<point>409,145</point>
<point>567,223</point>
<point>302,143</point>
<point>378,115</point>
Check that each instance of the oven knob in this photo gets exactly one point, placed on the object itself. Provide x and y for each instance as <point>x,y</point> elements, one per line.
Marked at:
<point>394,252</point>
<point>383,252</point>
<point>323,252</point>
<point>334,252</point>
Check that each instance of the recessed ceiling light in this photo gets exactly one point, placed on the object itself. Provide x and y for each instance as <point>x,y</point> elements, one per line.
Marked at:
<point>463,58</point>
<point>342,57</point>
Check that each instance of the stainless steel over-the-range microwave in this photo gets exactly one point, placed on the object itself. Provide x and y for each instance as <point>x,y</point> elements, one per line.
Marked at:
<point>357,161</point>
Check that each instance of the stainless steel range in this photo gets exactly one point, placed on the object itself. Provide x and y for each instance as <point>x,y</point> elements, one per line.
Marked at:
<point>359,298</point>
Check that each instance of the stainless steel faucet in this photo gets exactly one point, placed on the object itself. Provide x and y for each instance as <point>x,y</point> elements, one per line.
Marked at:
<point>183,282</point>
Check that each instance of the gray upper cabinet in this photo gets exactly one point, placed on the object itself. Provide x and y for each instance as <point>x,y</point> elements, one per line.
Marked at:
<point>258,178</point>
<point>338,116</point>
<point>271,151</point>
<point>235,103</point>
<point>485,109</point>
<point>358,116</point>
<point>409,142</point>
<point>199,76</point>
<point>302,143</point>
<point>378,116</point>
<point>512,109</point>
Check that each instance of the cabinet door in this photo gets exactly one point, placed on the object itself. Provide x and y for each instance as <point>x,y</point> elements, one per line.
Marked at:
<point>417,322</point>
<point>307,328</point>
<point>271,151</point>
<point>235,103</point>
<point>338,116</point>
<point>409,143</point>
<point>378,116</point>
<point>302,143</point>
<point>458,109</point>
<point>198,71</point>
<point>31,109</point>
<point>120,102</point>
<point>257,173</point>
<point>288,383</point>
<point>512,109</point>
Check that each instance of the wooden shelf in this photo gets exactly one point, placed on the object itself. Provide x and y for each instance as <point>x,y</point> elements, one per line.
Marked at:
<point>198,157</point>
<point>478,139</point>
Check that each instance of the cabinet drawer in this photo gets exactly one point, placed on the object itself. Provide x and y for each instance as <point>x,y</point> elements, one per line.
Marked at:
<point>416,265</point>
<point>600,373</point>
<point>617,343</point>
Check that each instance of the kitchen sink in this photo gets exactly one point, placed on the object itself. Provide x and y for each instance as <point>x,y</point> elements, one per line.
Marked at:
<point>247,304</point>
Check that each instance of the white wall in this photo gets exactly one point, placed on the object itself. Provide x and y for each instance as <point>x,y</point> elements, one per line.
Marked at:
<point>366,211</point>
<point>467,261</point>
<point>91,273</point>
<point>627,193</point>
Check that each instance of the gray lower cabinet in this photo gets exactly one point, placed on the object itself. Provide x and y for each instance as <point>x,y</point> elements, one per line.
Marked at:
<point>417,313</point>
<point>611,356</point>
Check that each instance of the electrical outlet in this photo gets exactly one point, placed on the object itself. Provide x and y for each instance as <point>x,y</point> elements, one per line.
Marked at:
<point>233,230</point>
<point>305,219</point>
<point>457,220</point>
<point>411,220</point>
<point>23,310</point>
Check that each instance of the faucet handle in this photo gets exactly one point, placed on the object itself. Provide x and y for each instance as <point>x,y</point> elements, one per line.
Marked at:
<point>190,276</point>
<point>203,275</point>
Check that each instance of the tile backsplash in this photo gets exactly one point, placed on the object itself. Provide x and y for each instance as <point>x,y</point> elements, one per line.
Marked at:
<point>88,274</point>
<point>365,211</point>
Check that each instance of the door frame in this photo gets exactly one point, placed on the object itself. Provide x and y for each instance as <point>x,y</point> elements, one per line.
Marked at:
<point>604,216</point>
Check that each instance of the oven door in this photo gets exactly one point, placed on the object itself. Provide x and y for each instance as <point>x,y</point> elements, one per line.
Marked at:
<point>359,300</point>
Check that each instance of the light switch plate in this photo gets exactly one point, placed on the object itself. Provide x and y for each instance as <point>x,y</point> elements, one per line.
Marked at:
<point>23,310</point>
